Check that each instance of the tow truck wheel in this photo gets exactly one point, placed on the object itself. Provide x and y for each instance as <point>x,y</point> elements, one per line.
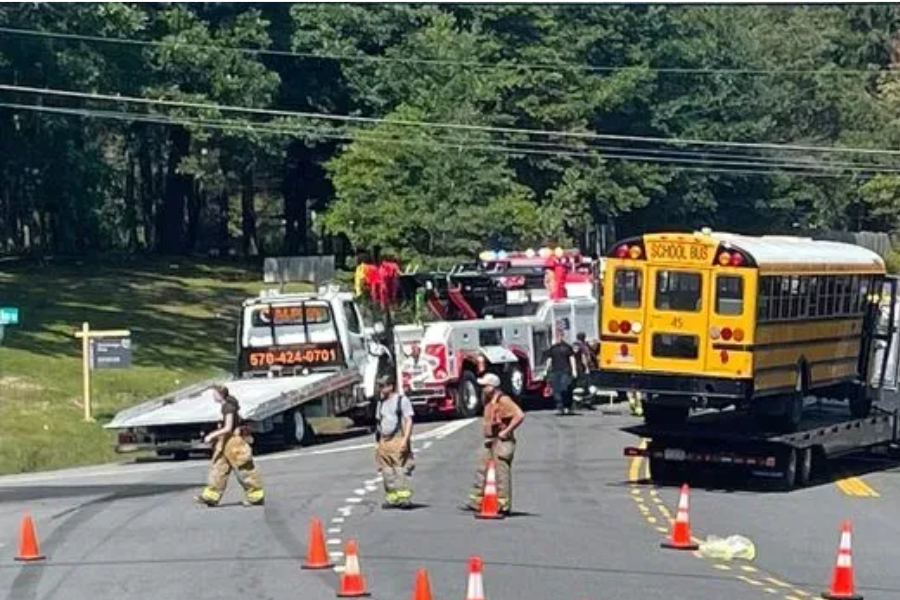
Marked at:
<point>296,429</point>
<point>468,396</point>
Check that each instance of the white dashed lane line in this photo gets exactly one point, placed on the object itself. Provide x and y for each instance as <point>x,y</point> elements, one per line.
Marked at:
<point>373,484</point>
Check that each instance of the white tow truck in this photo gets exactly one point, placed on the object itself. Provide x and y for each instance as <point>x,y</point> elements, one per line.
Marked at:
<point>299,356</point>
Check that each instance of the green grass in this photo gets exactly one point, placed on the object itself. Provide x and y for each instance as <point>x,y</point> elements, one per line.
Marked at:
<point>182,321</point>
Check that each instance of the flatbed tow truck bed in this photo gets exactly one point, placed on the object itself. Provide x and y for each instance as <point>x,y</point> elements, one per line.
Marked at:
<point>731,440</point>
<point>262,400</point>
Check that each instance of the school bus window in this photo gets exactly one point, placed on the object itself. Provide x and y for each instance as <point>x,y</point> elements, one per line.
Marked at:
<point>832,296</point>
<point>803,301</point>
<point>627,288</point>
<point>782,288</point>
<point>766,301</point>
<point>794,297</point>
<point>667,345</point>
<point>863,292</point>
<point>679,291</point>
<point>729,295</point>
<point>844,286</point>
<point>814,285</point>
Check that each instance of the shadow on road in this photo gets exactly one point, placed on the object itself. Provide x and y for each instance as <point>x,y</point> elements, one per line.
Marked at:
<point>727,481</point>
<point>109,492</point>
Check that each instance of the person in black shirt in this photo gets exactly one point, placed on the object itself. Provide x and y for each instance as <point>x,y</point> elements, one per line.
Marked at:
<point>231,453</point>
<point>561,371</point>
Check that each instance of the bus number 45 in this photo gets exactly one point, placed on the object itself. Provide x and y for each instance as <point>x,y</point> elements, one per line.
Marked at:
<point>677,323</point>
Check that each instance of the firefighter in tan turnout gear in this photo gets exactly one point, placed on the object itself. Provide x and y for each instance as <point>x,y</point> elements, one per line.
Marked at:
<point>502,416</point>
<point>232,452</point>
<point>393,449</point>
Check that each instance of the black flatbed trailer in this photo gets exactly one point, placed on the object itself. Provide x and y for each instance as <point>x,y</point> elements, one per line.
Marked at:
<point>732,440</point>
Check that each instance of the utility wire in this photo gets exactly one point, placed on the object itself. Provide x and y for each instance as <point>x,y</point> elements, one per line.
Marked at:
<point>439,125</point>
<point>440,62</point>
<point>265,128</point>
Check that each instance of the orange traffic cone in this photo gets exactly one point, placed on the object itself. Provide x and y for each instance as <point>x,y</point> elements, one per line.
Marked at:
<point>28,543</point>
<point>475,587</point>
<point>352,583</point>
<point>490,503</point>
<point>842,587</point>
<point>681,528</point>
<point>316,554</point>
<point>423,586</point>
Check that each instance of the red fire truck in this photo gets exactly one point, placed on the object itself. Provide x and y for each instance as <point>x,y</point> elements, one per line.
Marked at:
<point>499,312</point>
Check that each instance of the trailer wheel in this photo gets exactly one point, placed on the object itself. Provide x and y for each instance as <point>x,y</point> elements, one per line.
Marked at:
<point>804,469</point>
<point>790,471</point>
<point>468,396</point>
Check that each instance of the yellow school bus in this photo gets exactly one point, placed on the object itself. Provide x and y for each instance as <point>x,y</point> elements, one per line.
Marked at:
<point>706,319</point>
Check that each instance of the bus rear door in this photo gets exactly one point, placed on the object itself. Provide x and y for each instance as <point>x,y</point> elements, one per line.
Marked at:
<point>677,319</point>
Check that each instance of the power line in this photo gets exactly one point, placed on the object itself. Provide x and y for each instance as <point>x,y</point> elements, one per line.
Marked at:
<point>771,169</point>
<point>442,125</point>
<point>444,62</point>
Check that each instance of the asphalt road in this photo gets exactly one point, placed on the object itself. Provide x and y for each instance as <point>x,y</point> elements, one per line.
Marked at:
<point>586,528</point>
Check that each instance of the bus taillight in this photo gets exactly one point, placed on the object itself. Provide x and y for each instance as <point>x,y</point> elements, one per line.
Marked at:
<point>633,252</point>
<point>726,333</point>
<point>625,327</point>
<point>723,356</point>
<point>738,335</point>
<point>613,326</point>
<point>623,349</point>
<point>730,259</point>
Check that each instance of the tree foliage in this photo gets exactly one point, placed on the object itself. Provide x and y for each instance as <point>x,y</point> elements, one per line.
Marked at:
<point>458,126</point>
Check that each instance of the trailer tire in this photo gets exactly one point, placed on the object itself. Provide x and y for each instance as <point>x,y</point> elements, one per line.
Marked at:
<point>804,466</point>
<point>468,396</point>
<point>790,471</point>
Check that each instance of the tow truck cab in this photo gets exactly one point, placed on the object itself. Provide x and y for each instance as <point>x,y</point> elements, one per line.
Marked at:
<point>290,334</point>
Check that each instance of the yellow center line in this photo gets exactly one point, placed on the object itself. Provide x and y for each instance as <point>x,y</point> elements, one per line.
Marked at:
<point>854,486</point>
<point>639,463</point>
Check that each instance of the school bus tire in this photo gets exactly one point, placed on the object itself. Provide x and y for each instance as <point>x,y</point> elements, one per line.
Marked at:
<point>793,412</point>
<point>860,403</point>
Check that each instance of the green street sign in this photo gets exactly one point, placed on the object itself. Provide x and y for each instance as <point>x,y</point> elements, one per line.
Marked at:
<point>9,315</point>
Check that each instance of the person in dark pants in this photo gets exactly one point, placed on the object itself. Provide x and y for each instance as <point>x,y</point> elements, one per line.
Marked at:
<point>561,371</point>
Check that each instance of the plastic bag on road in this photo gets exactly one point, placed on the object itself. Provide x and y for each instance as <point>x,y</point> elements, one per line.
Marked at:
<point>734,546</point>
